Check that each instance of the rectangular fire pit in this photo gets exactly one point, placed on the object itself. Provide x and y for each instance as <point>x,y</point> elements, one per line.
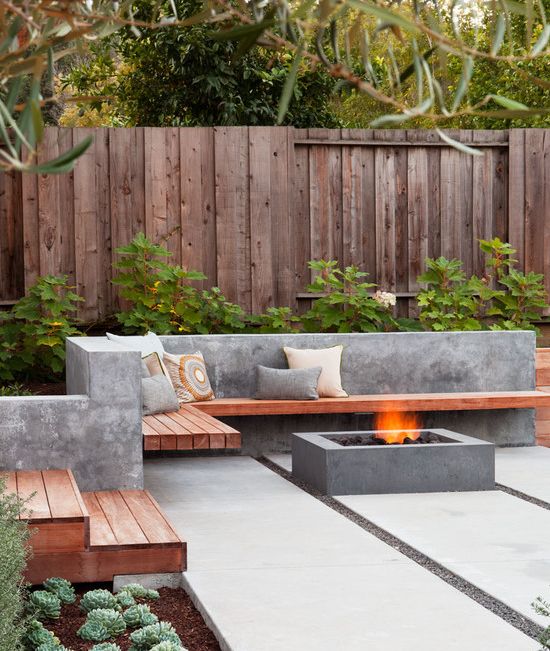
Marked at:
<point>455,463</point>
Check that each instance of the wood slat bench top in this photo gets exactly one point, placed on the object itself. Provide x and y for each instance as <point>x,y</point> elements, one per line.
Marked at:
<point>187,429</point>
<point>128,519</point>
<point>376,403</point>
<point>50,495</point>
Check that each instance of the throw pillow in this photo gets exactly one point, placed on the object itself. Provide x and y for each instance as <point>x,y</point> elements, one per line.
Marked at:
<point>287,384</point>
<point>329,359</point>
<point>154,365</point>
<point>146,344</point>
<point>189,377</point>
<point>158,395</point>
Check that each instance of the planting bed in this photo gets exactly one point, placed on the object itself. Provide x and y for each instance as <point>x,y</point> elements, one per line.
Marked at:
<point>173,606</point>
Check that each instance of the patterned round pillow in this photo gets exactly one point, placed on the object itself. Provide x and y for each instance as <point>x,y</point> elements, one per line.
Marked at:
<point>189,377</point>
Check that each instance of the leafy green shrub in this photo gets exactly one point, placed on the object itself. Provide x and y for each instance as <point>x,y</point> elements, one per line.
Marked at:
<point>33,332</point>
<point>36,635</point>
<point>14,389</point>
<point>278,320</point>
<point>45,605</point>
<point>346,304</point>
<point>62,588</point>
<point>14,535</point>
<point>125,599</point>
<point>503,299</point>
<point>100,598</point>
<point>139,592</point>
<point>144,639</point>
<point>102,624</point>
<point>542,607</point>
<point>139,615</point>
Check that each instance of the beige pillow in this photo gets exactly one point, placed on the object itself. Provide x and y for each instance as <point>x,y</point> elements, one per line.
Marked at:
<point>329,359</point>
<point>189,377</point>
<point>154,365</point>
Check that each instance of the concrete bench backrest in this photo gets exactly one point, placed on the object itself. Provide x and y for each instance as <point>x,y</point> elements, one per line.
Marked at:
<point>412,362</point>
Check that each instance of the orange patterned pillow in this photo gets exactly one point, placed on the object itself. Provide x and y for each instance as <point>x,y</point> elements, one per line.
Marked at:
<point>189,377</point>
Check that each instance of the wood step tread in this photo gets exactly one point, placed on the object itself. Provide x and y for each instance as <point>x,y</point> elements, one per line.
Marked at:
<point>50,495</point>
<point>127,519</point>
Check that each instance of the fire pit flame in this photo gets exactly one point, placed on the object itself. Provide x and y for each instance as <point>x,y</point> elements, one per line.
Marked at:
<point>395,426</point>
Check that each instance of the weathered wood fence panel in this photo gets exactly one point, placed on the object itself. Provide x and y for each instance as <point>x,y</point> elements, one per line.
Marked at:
<point>249,206</point>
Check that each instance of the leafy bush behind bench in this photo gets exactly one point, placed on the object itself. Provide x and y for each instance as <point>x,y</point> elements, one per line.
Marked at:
<point>161,297</point>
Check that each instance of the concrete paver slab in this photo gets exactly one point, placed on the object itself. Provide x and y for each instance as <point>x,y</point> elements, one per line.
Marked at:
<point>492,539</point>
<point>274,569</point>
<point>525,469</point>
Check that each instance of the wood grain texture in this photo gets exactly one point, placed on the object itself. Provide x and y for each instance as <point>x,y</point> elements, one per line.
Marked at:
<point>376,403</point>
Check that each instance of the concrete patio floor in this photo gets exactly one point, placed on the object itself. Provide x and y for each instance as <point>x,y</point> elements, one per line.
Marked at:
<point>273,568</point>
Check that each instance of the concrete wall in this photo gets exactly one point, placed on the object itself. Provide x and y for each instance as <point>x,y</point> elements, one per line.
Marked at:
<point>95,431</point>
<point>411,362</point>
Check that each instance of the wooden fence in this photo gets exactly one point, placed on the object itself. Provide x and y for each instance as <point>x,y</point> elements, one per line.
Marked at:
<point>249,206</point>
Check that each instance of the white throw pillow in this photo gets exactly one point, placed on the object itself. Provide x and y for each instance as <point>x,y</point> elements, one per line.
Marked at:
<point>329,359</point>
<point>146,344</point>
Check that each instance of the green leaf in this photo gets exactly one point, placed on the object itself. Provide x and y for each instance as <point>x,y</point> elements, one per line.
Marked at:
<point>288,88</point>
<point>500,31</point>
<point>458,145</point>
<point>508,103</point>
<point>542,41</point>
<point>383,14</point>
<point>65,162</point>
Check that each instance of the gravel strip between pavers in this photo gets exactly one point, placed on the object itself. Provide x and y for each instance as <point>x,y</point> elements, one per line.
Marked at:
<point>523,496</point>
<point>480,596</point>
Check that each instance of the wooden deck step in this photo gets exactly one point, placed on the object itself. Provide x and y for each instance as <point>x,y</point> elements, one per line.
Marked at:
<point>54,508</point>
<point>187,429</point>
<point>94,536</point>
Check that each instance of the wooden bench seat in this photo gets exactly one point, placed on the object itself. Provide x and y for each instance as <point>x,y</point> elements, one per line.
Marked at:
<point>377,403</point>
<point>187,429</point>
<point>195,426</point>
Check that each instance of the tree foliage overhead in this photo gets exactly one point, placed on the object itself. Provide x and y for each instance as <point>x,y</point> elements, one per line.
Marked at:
<point>186,76</point>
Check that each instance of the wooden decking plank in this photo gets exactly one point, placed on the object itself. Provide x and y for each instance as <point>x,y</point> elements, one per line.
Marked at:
<point>201,441</point>
<point>125,527</point>
<point>151,442</point>
<point>152,523</point>
<point>61,494</point>
<point>173,425</point>
<point>157,425</point>
<point>210,422</point>
<point>233,441</point>
<point>385,402</point>
<point>101,534</point>
<point>147,429</point>
<point>216,441</point>
<point>37,507</point>
<point>194,426</point>
<point>184,442</point>
<point>201,424</point>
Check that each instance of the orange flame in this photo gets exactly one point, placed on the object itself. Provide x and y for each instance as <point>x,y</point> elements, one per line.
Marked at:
<point>396,426</point>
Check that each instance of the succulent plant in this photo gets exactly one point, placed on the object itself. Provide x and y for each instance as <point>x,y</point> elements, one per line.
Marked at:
<point>124,599</point>
<point>139,615</point>
<point>62,588</point>
<point>100,598</point>
<point>144,639</point>
<point>46,604</point>
<point>167,646</point>
<point>37,635</point>
<point>105,646</point>
<point>139,592</point>
<point>102,624</point>
<point>51,646</point>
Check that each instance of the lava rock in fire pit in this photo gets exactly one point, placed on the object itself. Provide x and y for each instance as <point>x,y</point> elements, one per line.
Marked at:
<point>376,439</point>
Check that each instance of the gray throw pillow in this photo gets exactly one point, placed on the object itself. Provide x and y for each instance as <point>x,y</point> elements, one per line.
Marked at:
<point>287,384</point>
<point>158,395</point>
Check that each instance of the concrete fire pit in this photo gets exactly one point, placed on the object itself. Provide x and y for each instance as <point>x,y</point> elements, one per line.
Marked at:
<point>458,463</point>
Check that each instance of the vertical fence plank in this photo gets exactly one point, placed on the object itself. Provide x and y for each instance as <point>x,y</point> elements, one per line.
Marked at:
<point>417,206</point>
<point>483,209</point>
<point>11,237</point>
<point>49,214</point>
<point>534,200</point>
<point>281,141</point>
<point>65,207</point>
<point>262,261</point>
<point>233,213</point>
<point>173,192</point>
<point>299,209</point>
<point>156,221</point>
<point>198,202</point>
<point>516,193</point>
<point>386,207</point>
<point>105,253</point>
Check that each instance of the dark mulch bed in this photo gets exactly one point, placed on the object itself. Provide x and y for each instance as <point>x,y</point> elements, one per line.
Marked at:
<point>46,388</point>
<point>174,606</point>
